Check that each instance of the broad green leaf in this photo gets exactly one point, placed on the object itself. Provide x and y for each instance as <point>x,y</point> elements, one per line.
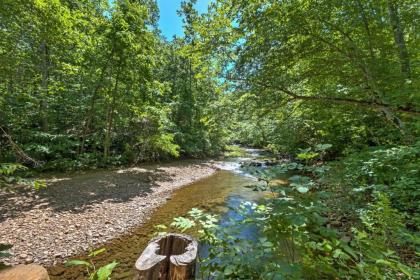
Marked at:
<point>104,273</point>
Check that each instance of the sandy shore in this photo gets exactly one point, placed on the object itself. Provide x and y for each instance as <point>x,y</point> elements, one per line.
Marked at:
<point>82,211</point>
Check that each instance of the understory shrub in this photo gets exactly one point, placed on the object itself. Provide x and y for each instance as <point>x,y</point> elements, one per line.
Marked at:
<point>298,234</point>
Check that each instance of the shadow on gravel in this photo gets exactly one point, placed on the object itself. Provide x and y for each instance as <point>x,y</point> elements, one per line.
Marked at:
<point>81,192</point>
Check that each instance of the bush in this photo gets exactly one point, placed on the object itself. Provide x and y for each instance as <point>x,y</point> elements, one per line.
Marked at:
<point>394,171</point>
<point>298,234</point>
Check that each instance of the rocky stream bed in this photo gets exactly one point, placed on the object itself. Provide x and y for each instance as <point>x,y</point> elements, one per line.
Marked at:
<point>78,212</point>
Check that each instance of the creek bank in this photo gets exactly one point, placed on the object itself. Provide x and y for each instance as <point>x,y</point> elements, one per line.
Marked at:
<point>213,194</point>
<point>79,212</point>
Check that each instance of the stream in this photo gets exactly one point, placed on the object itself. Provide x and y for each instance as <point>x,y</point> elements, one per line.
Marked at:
<point>218,193</point>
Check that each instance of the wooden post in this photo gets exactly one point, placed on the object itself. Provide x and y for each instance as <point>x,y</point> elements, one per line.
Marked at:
<point>168,257</point>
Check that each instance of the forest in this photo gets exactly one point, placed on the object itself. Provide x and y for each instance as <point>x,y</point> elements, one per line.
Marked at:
<point>329,89</point>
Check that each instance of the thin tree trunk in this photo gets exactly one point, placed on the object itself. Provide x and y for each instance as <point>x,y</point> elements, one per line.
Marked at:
<point>399,38</point>
<point>110,119</point>
<point>91,110</point>
<point>43,106</point>
<point>11,85</point>
<point>367,29</point>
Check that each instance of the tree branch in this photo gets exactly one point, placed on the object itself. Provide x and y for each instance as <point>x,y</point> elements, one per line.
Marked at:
<point>370,104</point>
<point>19,152</point>
<point>349,101</point>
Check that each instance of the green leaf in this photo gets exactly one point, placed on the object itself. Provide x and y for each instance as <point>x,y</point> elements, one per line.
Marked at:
<point>257,188</point>
<point>105,272</point>
<point>405,269</point>
<point>39,184</point>
<point>160,227</point>
<point>182,223</point>
<point>309,155</point>
<point>349,251</point>
<point>384,262</point>
<point>97,252</point>
<point>322,147</point>
<point>78,262</point>
<point>228,270</point>
<point>195,213</point>
<point>302,189</point>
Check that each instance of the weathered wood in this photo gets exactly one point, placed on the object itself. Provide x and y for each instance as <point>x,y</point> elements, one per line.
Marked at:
<point>183,266</point>
<point>168,257</point>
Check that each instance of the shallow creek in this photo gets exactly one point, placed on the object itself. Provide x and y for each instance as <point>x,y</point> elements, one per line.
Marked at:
<point>216,193</point>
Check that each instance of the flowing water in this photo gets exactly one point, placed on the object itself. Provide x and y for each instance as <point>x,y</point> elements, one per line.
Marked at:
<point>217,193</point>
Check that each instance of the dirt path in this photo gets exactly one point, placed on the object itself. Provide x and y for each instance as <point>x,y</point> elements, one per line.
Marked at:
<point>79,212</point>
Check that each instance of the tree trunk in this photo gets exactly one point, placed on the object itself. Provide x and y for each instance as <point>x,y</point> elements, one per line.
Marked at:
<point>367,29</point>
<point>91,110</point>
<point>168,257</point>
<point>110,119</point>
<point>399,38</point>
<point>43,106</point>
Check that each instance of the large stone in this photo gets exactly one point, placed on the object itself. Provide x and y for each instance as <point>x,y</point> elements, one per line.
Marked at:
<point>24,272</point>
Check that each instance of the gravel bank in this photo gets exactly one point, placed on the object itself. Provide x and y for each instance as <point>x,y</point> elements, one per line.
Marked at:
<point>82,211</point>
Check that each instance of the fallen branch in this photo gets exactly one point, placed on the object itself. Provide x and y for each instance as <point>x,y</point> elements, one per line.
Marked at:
<point>18,151</point>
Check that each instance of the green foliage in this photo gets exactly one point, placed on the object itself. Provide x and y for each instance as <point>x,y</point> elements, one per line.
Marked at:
<point>234,151</point>
<point>102,273</point>
<point>8,177</point>
<point>301,73</point>
<point>7,169</point>
<point>182,223</point>
<point>154,142</point>
<point>88,84</point>
<point>93,84</point>
<point>394,171</point>
<point>196,219</point>
<point>298,237</point>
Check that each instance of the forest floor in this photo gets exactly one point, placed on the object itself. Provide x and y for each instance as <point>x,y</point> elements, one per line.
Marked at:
<point>81,211</point>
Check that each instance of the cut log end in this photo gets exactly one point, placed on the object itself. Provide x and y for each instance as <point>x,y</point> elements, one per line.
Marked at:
<point>172,256</point>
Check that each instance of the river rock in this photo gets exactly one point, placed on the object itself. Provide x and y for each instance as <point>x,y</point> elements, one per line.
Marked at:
<point>253,163</point>
<point>25,272</point>
<point>271,162</point>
